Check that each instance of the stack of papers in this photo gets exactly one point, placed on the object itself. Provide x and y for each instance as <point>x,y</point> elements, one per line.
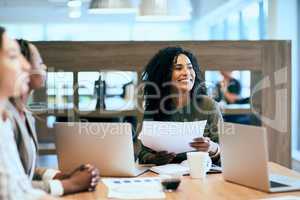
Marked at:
<point>134,188</point>
<point>182,168</point>
<point>174,137</point>
<point>171,169</point>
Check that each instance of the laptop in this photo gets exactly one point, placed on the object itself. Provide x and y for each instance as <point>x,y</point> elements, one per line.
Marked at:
<point>107,146</point>
<point>244,157</point>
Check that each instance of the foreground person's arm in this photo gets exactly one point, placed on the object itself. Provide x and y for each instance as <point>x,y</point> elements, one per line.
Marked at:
<point>14,183</point>
<point>149,156</point>
<point>84,178</point>
<point>13,189</point>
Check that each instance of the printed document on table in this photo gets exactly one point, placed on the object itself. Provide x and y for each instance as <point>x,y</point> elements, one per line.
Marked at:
<point>134,188</point>
<point>173,137</point>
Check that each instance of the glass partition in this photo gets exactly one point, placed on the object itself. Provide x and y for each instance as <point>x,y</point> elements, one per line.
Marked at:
<point>106,90</point>
<point>228,87</point>
<point>60,90</point>
<point>232,91</point>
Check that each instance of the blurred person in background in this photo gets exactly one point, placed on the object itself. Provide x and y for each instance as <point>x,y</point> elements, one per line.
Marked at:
<point>229,89</point>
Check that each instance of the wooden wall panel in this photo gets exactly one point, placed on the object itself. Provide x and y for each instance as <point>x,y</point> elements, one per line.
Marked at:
<point>276,101</point>
<point>82,56</point>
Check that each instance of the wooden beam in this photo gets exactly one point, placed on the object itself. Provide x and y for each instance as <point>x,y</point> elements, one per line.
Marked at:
<point>89,56</point>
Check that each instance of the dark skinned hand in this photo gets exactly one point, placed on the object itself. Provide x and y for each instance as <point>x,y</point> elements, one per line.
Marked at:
<point>61,175</point>
<point>84,178</point>
<point>161,158</point>
<point>204,144</point>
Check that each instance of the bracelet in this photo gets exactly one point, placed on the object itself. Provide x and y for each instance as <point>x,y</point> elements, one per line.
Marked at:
<point>56,188</point>
<point>216,153</point>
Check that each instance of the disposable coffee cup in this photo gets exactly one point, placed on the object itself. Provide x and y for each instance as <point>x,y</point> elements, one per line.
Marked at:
<point>199,164</point>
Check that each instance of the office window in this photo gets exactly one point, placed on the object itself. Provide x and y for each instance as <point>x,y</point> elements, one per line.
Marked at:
<point>217,32</point>
<point>109,90</point>
<point>86,90</point>
<point>120,90</point>
<point>89,32</point>
<point>60,90</point>
<point>161,31</point>
<point>248,23</point>
<point>250,17</point>
<point>31,32</point>
<point>233,27</point>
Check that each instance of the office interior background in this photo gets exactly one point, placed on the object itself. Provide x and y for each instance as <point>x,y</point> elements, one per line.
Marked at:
<point>153,20</point>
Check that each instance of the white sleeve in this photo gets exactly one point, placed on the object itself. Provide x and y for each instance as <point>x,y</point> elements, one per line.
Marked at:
<point>56,188</point>
<point>14,183</point>
<point>49,174</point>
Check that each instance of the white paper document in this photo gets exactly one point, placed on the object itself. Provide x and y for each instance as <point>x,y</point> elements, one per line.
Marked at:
<point>182,168</point>
<point>134,188</point>
<point>171,169</point>
<point>174,137</point>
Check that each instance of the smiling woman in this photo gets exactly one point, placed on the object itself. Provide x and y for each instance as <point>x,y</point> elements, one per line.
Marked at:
<point>174,91</point>
<point>183,77</point>
<point>173,71</point>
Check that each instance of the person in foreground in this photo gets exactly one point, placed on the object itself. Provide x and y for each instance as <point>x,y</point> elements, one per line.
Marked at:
<point>14,184</point>
<point>174,91</point>
<point>54,182</point>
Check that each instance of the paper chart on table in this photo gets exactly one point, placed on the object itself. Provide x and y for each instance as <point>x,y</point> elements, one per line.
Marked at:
<point>134,188</point>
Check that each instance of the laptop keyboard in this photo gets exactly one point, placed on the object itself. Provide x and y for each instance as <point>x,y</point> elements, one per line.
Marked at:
<point>276,184</point>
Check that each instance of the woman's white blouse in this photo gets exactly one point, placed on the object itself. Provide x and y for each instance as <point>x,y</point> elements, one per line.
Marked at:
<point>14,184</point>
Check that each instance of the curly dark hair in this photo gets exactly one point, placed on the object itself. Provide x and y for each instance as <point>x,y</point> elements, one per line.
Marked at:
<point>25,50</point>
<point>2,31</point>
<point>159,72</point>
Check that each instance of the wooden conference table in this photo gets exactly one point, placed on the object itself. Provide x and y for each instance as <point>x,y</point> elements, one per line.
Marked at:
<point>213,187</point>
